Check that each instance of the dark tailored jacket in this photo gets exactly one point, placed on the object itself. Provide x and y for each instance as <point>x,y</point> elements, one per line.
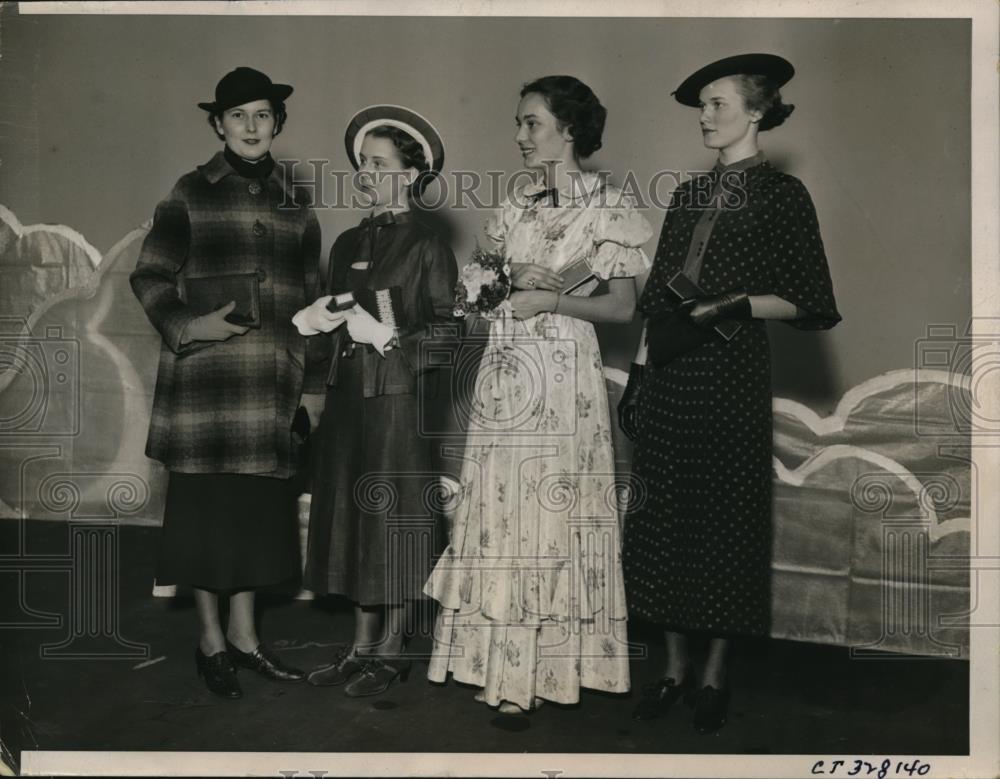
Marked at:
<point>408,254</point>
<point>227,406</point>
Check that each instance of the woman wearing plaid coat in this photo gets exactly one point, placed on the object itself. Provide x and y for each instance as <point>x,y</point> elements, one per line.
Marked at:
<point>230,379</point>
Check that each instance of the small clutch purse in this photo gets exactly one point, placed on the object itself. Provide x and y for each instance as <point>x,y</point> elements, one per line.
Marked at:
<point>685,289</point>
<point>205,294</point>
<point>672,334</point>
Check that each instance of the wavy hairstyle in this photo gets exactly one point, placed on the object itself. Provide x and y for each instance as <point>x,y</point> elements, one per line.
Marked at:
<point>761,94</point>
<point>575,107</point>
<point>411,154</point>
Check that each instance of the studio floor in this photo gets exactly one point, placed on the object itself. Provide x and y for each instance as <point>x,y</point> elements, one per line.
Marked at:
<point>789,697</point>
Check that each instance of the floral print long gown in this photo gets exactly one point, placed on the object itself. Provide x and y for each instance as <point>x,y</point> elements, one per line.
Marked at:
<point>530,587</point>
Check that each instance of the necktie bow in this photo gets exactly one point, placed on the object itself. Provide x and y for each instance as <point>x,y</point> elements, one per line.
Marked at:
<point>550,192</point>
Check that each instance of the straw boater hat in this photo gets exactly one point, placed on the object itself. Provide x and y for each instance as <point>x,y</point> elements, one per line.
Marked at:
<point>395,116</point>
<point>777,69</point>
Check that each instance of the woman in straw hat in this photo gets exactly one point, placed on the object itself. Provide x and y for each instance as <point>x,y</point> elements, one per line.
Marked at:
<point>372,526</point>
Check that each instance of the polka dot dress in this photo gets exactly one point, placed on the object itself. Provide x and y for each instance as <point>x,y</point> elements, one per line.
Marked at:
<point>697,546</point>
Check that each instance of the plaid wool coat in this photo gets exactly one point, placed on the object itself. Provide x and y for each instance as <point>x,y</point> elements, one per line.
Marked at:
<point>227,406</point>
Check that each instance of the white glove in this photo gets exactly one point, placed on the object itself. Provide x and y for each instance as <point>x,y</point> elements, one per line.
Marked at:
<point>315,318</point>
<point>366,329</point>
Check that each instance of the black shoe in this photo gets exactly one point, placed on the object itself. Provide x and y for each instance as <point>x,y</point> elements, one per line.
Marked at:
<point>710,707</point>
<point>377,676</point>
<point>264,662</point>
<point>658,697</point>
<point>345,665</point>
<point>219,673</point>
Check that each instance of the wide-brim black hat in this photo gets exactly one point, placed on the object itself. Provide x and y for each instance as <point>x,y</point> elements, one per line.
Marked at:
<point>244,85</point>
<point>409,121</point>
<point>777,69</point>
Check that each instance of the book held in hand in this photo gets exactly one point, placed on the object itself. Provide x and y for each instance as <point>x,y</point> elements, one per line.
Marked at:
<point>343,302</point>
<point>205,294</point>
<point>575,276</point>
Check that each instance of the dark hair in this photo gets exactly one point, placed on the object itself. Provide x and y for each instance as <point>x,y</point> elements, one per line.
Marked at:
<point>575,107</point>
<point>761,94</point>
<point>411,154</point>
<point>277,107</point>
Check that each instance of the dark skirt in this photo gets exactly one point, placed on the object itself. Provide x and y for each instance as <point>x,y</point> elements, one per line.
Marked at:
<point>224,531</point>
<point>697,544</point>
<point>373,524</point>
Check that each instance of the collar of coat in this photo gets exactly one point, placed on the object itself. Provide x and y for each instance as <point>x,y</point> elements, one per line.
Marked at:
<point>218,168</point>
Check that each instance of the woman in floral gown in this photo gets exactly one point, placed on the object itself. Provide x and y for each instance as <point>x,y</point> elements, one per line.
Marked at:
<point>530,586</point>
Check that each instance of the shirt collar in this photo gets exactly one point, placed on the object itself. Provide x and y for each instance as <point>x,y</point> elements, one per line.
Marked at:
<point>744,164</point>
<point>386,218</point>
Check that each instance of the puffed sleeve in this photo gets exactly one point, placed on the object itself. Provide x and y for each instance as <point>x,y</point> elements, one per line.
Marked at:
<point>499,224</point>
<point>799,270</point>
<point>154,280</point>
<point>440,331</point>
<point>620,232</point>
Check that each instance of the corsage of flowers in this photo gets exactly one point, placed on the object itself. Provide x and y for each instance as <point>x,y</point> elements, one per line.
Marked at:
<point>483,283</point>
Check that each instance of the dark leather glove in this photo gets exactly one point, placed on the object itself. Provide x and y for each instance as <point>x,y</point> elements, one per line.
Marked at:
<point>628,406</point>
<point>706,311</point>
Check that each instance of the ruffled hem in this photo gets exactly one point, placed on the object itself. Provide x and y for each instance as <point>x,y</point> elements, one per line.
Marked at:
<point>525,597</point>
<point>518,664</point>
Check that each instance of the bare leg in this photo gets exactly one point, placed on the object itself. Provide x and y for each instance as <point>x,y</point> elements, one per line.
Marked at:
<point>678,657</point>
<point>716,663</point>
<point>242,631</point>
<point>211,640</point>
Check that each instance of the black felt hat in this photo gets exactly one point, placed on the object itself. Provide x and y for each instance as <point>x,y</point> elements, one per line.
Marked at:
<point>405,119</point>
<point>777,69</point>
<point>244,85</point>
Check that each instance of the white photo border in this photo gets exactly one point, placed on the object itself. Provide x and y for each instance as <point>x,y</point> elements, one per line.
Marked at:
<point>984,692</point>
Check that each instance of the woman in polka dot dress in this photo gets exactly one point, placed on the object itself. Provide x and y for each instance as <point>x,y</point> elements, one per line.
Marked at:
<point>697,547</point>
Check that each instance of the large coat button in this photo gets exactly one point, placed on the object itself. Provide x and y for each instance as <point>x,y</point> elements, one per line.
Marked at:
<point>258,228</point>
<point>255,188</point>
